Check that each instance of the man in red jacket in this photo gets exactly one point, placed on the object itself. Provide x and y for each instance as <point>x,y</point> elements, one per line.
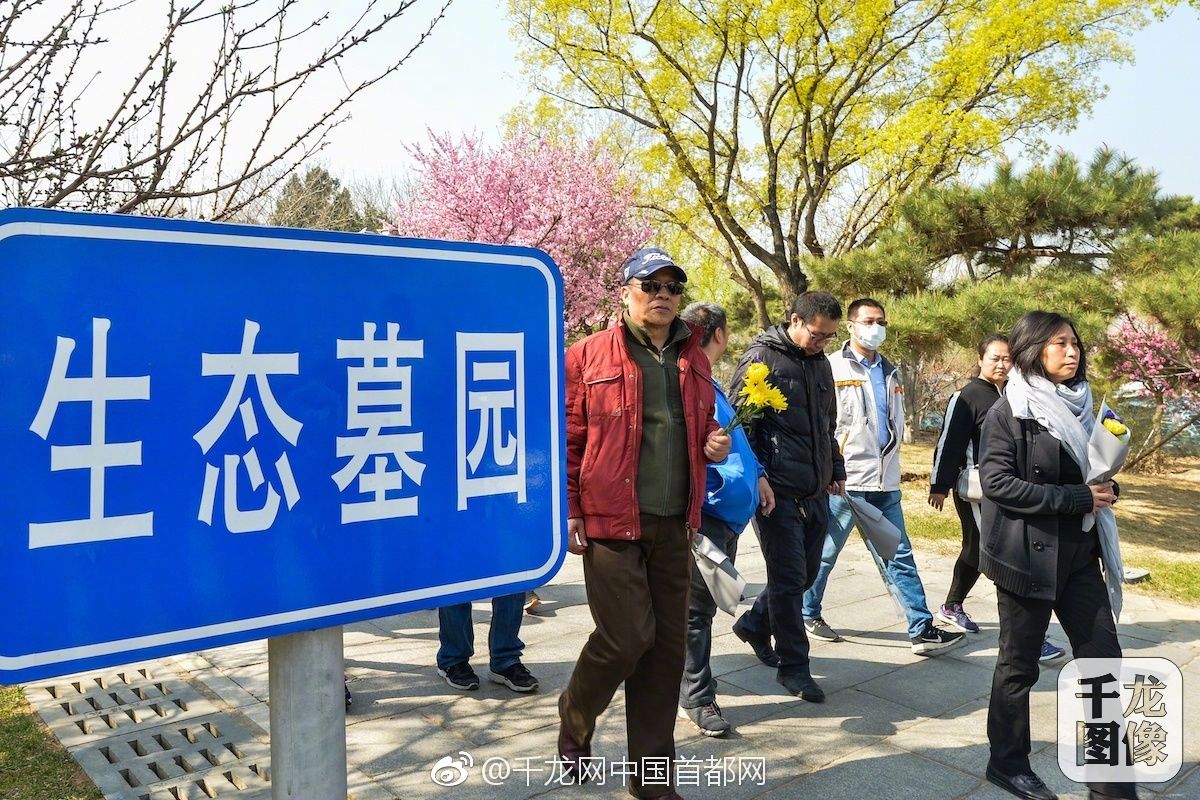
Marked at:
<point>640,431</point>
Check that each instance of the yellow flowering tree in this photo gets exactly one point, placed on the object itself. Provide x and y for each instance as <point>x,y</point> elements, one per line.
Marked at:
<point>777,130</point>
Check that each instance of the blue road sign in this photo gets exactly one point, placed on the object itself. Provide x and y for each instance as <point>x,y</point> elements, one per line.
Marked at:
<point>215,433</point>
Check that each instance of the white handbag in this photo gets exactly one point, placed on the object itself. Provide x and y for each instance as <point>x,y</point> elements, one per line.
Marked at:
<point>968,487</point>
<point>724,582</point>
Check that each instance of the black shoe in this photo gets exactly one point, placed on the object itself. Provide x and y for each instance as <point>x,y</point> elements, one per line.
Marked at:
<point>516,678</point>
<point>460,676</point>
<point>1129,792</point>
<point>935,641</point>
<point>346,686</point>
<point>761,645</point>
<point>802,685</point>
<point>1026,785</point>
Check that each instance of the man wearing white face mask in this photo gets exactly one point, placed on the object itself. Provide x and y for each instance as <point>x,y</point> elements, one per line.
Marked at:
<point>870,426</point>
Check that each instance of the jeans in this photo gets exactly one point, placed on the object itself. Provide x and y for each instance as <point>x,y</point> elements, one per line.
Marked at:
<point>699,686</point>
<point>791,540</point>
<point>901,570</point>
<point>456,634</point>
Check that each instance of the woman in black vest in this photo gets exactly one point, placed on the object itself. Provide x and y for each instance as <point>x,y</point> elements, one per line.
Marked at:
<point>1039,543</point>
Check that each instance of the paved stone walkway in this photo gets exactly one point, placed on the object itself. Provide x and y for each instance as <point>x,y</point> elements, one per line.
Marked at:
<point>895,726</point>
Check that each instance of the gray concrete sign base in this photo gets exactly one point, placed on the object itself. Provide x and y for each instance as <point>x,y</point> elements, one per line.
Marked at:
<point>308,716</point>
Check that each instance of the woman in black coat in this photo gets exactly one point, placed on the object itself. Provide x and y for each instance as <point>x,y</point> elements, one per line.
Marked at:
<point>1033,544</point>
<point>958,449</point>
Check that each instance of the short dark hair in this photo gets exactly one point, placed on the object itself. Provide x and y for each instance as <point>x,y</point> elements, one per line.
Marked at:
<point>1029,337</point>
<point>863,302</point>
<point>810,305</point>
<point>989,340</point>
<point>709,316</point>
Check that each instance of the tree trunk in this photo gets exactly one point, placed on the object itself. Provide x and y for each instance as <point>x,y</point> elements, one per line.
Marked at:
<point>1153,458</point>
<point>909,381</point>
<point>1157,423</point>
<point>1135,462</point>
<point>760,303</point>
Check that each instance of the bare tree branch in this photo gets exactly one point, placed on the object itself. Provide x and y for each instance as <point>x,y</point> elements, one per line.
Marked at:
<point>211,141</point>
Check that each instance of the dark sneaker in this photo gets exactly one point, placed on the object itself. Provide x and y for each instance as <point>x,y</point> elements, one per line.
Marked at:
<point>1050,652</point>
<point>954,616</point>
<point>516,678</point>
<point>802,685</point>
<point>707,718</point>
<point>935,641</point>
<point>761,645</point>
<point>460,676</point>
<point>346,687</point>
<point>818,629</point>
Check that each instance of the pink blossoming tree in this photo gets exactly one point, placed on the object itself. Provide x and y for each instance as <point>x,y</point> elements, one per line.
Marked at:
<point>563,197</point>
<point>1142,352</point>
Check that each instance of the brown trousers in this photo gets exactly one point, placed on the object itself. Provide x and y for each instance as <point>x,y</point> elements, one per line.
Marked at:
<point>638,595</point>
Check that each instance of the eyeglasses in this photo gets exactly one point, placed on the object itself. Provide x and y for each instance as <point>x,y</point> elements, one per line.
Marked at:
<point>675,288</point>
<point>818,336</point>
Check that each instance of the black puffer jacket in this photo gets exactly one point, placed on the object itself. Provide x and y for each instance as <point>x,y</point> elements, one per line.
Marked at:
<point>797,447</point>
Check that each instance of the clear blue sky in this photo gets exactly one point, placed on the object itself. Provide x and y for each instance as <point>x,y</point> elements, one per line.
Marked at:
<point>1152,110</point>
<point>466,78</point>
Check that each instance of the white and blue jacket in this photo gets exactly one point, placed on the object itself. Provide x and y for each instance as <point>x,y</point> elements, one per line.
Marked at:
<point>868,468</point>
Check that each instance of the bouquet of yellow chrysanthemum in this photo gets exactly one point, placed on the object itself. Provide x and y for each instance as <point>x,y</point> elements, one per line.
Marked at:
<point>757,396</point>
<point>1108,446</point>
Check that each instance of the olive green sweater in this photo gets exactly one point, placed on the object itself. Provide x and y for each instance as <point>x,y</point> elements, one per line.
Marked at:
<point>663,484</point>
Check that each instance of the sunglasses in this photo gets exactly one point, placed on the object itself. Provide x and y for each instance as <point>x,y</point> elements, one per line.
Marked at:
<point>675,288</point>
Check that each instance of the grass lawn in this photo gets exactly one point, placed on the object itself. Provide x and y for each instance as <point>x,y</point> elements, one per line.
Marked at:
<point>1156,517</point>
<point>33,766</point>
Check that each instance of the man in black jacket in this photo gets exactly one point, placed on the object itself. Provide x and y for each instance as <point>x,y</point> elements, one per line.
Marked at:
<point>803,464</point>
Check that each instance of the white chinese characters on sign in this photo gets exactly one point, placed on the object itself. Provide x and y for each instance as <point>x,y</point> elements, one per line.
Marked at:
<point>491,390</point>
<point>98,454</point>
<point>241,366</point>
<point>379,399</point>
<point>381,450</point>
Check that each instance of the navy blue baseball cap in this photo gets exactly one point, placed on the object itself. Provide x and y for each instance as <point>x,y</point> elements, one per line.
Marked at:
<point>649,260</point>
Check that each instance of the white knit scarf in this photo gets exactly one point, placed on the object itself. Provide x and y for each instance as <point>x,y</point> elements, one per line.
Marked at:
<point>1065,411</point>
